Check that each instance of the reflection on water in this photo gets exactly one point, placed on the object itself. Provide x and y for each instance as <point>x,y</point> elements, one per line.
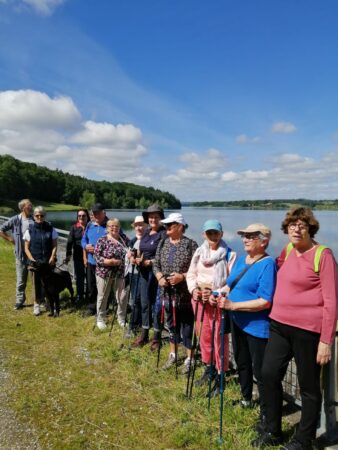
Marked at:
<point>231,220</point>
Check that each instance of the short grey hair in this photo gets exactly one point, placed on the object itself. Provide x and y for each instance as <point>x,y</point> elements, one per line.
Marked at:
<point>40,209</point>
<point>22,203</point>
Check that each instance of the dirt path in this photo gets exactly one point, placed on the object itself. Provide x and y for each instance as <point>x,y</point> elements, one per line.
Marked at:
<point>14,435</point>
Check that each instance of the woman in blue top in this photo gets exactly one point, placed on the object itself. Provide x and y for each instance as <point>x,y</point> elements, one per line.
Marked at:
<point>250,288</point>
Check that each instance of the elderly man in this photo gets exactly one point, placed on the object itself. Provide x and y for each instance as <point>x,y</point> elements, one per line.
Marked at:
<point>17,225</point>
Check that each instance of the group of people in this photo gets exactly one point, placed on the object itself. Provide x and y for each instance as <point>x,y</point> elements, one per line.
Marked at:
<point>277,310</point>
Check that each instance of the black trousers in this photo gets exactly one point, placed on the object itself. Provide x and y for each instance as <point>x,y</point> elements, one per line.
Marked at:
<point>249,353</point>
<point>286,342</point>
<point>91,284</point>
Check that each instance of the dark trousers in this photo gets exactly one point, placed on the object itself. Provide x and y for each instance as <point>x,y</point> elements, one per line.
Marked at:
<point>135,301</point>
<point>148,290</point>
<point>286,342</point>
<point>249,355</point>
<point>80,274</point>
<point>91,284</point>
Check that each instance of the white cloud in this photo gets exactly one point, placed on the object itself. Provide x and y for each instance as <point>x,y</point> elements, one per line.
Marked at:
<point>94,133</point>
<point>283,128</point>
<point>244,139</point>
<point>44,7</point>
<point>27,108</point>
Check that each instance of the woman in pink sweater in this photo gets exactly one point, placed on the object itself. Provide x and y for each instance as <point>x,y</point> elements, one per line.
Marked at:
<point>303,325</point>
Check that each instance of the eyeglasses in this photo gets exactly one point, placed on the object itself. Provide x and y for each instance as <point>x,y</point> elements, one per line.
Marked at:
<point>300,226</point>
<point>39,215</point>
<point>250,237</point>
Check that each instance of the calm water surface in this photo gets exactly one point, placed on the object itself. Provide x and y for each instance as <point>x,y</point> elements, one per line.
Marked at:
<point>231,220</point>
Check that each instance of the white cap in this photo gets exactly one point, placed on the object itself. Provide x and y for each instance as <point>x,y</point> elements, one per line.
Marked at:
<point>174,217</point>
<point>138,219</point>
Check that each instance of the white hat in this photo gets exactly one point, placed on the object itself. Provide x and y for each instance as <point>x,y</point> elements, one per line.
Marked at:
<point>174,217</point>
<point>138,219</point>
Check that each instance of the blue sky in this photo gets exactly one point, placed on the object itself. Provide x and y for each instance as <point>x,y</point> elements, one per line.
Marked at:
<point>216,100</point>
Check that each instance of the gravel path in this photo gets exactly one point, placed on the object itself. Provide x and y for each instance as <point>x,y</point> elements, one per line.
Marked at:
<point>14,435</point>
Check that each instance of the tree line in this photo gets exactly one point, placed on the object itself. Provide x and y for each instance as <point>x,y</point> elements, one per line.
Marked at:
<point>267,204</point>
<point>20,179</point>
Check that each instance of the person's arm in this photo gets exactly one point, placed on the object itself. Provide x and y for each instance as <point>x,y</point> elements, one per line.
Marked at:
<point>27,251</point>
<point>246,306</point>
<point>329,287</point>
<point>157,267</point>
<point>52,259</point>
<point>7,226</point>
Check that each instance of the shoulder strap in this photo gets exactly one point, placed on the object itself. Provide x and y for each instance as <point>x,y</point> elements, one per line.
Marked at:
<point>319,251</point>
<point>289,247</point>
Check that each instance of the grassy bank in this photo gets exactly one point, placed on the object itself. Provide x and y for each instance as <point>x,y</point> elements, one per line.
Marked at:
<point>78,391</point>
<point>10,207</point>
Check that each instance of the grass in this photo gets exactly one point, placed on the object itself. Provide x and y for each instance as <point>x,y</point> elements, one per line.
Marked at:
<point>10,207</point>
<point>79,391</point>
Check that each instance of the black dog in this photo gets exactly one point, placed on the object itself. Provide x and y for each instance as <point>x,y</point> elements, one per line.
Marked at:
<point>54,281</point>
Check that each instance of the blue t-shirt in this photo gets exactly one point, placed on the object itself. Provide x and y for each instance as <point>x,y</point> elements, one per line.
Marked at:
<point>258,282</point>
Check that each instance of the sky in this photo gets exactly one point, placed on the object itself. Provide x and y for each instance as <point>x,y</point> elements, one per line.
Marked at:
<point>218,100</point>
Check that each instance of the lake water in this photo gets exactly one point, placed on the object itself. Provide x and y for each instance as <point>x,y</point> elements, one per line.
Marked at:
<point>231,220</point>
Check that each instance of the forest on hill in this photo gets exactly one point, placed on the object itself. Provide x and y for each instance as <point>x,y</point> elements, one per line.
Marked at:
<point>20,179</point>
<point>267,204</point>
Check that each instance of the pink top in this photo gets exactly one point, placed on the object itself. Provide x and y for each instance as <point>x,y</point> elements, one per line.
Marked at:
<point>304,299</point>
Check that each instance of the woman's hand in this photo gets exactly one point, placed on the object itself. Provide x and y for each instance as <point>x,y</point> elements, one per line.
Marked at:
<point>323,353</point>
<point>196,294</point>
<point>52,260</point>
<point>175,278</point>
<point>226,304</point>
<point>206,295</point>
<point>90,248</point>
<point>212,300</point>
<point>147,263</point>
<point>112,262</point>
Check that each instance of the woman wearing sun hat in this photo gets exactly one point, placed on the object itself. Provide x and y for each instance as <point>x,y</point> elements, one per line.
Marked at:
<point>250,288</point>
<point>171,264</point>
<point>148,283</point>
<point>208,271</point>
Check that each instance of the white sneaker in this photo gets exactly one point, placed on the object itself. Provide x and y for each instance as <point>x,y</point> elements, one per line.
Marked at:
<point>101,325</point>
<point>36,309</point>
<point>122,324</point>
<point>170,361</point>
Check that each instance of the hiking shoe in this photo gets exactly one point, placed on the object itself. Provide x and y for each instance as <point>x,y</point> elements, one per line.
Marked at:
<point>170,361</point>
<point>188,362</point>
<point>205,376</point>
<point>101,325</point>
<point>18,306</point>
<point>141,340</point>
<point>155,345</point>
<point>121,323</point>
<point>294,444</point>
<point>245,404</point>
<point>260,426</point>
<point>36,309</point>
<point>266,440</point>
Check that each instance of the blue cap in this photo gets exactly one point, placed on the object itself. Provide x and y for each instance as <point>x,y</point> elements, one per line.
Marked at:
<point>212,225</point>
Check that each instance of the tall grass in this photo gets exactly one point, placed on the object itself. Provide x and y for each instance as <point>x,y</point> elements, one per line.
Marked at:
<point>79,391</point>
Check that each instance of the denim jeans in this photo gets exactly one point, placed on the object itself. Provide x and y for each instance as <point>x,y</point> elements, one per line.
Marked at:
<point>21,281</point>
<point>135,301</point>
<point>148,290</point>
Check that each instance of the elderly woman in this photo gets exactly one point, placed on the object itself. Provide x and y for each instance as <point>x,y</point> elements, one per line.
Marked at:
<point>40,246</point>
<point>148,283</point>
<point>74,248</point>
<point>172,261</point>
<point>110,251</point>
<point>208,271</point>
<point>250,289</point>
<point>303,325</point>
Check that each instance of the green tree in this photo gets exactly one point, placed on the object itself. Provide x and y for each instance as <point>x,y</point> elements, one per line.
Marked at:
<point>88,199</point>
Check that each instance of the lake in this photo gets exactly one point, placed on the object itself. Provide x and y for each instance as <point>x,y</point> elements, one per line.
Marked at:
<point>231,219</point>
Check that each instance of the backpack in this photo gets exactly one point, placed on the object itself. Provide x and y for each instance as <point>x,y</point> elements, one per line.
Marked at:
<point>316,261</point>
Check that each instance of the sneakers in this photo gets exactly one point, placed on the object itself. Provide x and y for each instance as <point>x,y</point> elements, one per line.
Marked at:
<point>121,323</point>
<point>170,361</point>
<point>18,306</point>
<point>266,440</point>
<point>186,365</point>
<point>245,404</point>
<point>294,444</point>
<point>36,309</point>
<point>101,325</point>
<point>205,376</point>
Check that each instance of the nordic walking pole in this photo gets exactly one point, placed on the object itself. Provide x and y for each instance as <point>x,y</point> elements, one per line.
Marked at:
<point>173,300</point>
<point>133,309</point>
<point>197,349</point>
<point>126,314</point>
<point>161,326</point>
<point>194,341</point>
<point>214,312</point>
<point>222,378</point>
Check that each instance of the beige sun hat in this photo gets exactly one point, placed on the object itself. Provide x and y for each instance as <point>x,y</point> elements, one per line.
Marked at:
<point>256,228</point>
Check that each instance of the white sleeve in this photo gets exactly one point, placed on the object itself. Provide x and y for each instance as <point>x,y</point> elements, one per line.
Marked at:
<point>27,236</point>
<point>54,234</point>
